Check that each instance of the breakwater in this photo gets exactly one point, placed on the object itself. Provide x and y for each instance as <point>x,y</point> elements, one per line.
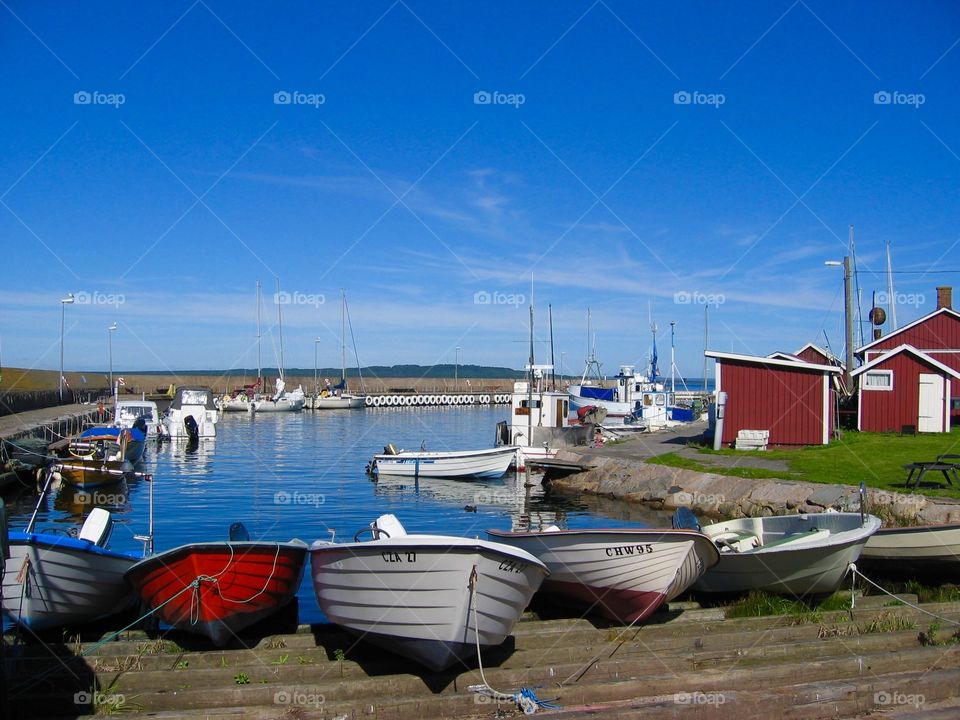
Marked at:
<point>631,478</point>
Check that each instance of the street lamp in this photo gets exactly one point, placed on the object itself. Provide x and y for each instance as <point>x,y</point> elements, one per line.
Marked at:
<point>848,318</point>
<point>316,384</point>
<point>68,300</point>
<point>110,344</point>
<point>456,371</point>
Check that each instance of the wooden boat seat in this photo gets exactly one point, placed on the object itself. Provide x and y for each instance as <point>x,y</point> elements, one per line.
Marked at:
<point>97,527</point>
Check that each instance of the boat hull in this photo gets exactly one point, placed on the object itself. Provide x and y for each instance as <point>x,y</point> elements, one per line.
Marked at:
<point>623,574</point>
<point>275,406</point>
<point>339,402</point>
<point>51,581</point>
<point>478,464</point>
<point>239,584</point>
<point>812,567</point>
<point>923,547</point>
<point>411,595</point>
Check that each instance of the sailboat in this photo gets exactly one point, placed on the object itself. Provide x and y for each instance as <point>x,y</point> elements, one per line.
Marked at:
<point>281,401</point>
<point>336,397</point>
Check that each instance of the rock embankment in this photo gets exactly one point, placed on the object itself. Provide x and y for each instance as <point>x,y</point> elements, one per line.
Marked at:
<point>631,478</point>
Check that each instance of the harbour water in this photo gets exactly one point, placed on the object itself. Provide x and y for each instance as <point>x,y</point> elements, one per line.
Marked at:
<point>302,475</point>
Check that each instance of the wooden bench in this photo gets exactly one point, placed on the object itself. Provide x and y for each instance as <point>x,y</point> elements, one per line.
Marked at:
<point>917,470</point>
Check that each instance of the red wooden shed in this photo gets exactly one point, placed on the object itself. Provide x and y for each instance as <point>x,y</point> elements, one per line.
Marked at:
<point>904,387</point>
<point>790,399</point>
<point>936,335</point>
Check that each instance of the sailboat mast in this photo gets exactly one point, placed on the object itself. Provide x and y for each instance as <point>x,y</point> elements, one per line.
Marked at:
<point>343,338</point>
<point>530,383</point>
<point>673,379</point>
<point>891,298</point>
<point>259,371</point>
<point>280,328</point>
<point>553,370</point>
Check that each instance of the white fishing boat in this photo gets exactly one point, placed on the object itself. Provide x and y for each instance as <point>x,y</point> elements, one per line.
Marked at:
<point>192,415</point>
<point>429,598</point>
<point>56,580</point>
<point>795,555</point>
<point>919,548</point>
<point>624,574</point>
<point>128,411</point>
<point>338,397</point>
<point>488,463</point>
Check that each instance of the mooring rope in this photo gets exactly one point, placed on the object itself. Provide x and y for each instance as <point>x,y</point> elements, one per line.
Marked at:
<point>525,699</point>
<point>855,572</point>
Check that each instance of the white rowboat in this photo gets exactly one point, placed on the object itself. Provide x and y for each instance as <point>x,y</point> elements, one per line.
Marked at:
<point>489,463</point>
<point>624,574</point>
<point>430,598</point>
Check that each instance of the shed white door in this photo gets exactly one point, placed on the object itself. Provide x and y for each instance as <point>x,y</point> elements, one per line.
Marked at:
<point>931,403</point>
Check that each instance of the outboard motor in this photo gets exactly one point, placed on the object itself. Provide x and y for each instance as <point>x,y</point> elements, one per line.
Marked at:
<point>190,425</point>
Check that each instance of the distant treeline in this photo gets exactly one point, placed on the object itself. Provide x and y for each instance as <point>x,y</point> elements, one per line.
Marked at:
<point>383,371</point>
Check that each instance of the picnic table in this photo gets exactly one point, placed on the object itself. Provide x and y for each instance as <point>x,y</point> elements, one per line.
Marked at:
<point>917,470</point>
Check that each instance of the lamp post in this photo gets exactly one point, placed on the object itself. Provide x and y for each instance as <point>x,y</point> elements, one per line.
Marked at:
<point>848,318</point>
<point>110,330</point>
<point>456,371</point>
<point>316,384</point>
<point>68,300</point>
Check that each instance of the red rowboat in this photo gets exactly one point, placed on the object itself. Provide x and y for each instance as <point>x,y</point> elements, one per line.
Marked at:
<point>219,588</point>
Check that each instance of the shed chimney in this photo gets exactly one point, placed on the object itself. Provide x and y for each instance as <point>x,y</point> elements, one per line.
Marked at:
<point>945,298</point>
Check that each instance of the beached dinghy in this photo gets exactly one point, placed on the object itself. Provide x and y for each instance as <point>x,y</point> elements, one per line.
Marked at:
<point>624,574</point>
<point>430,598</point>
<point>220,588</point>
<point>489,463</point>
<point>915,549</point>
<point>58,580</point>
<point>797,555</point>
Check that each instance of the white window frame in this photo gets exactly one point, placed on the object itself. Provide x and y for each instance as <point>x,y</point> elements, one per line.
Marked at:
<point>866,386</point>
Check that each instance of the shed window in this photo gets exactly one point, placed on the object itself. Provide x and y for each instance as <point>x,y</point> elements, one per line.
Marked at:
<point>878,380</point>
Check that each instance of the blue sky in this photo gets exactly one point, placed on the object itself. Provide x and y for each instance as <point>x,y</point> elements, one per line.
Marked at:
<point>633,158</point>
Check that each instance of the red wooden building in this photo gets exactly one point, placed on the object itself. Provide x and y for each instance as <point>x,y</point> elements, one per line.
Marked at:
<point>791,399</point>
<point>904,388</point>
<point>936,335</point>
<point>812,353</point>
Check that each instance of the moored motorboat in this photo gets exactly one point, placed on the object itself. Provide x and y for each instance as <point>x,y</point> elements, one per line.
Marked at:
<point>53,580</point>
<point>797,555</point>
<point>915,549</point>
<point>192,415</point>
<point>486,463</point>
<point>430,598</point>
<point>103,455</point>
<point>624,574</point>
<point>219,588</point>
<point>127,413</point>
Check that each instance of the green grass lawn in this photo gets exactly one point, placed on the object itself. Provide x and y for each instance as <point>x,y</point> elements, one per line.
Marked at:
<point>875,458</point>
